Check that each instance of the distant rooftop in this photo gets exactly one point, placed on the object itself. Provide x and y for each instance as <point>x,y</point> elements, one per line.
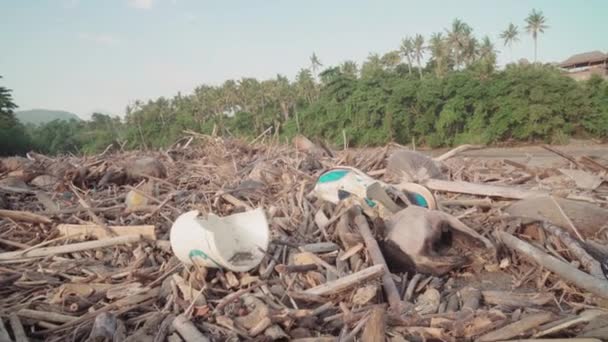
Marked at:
<point>584,59</point>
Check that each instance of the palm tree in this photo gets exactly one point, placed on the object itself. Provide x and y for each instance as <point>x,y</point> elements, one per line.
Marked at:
<point>315,63</point>
<point>510,36</point>
<point>391,59</point>
<point>407,49</point>
<point>419,51</point>
<point>536,25</point>
<point>459,39</point>
<point>437,47</point>
<point>349,68</point>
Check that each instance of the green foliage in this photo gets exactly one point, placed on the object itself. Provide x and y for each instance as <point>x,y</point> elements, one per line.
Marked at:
<point>13,139</point>
<point>458,97</point>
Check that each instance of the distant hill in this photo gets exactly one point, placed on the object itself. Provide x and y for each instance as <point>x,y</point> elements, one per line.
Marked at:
<point>39,116</point>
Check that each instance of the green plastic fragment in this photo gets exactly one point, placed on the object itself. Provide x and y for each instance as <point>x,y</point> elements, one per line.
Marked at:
<point>332,176</point>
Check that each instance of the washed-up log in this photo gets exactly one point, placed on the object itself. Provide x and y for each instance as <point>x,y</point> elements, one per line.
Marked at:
<point>187,330</point>
<point>71,248</point>
<point>566,271</point>
<point>45,316</point>
<point>18,330</point>
<point>348,281</point>
<point>517,328</point>
<point>24,216</point>
<point>462,148</point>
<point>589,263</point>
<point>481,189</point>
<point>92,230</point>
<point>374,250</point>
<point>516,299</point>
<point>586,217</point>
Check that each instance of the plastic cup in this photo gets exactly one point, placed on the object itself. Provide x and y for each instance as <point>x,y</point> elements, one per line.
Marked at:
<point>237,242</point>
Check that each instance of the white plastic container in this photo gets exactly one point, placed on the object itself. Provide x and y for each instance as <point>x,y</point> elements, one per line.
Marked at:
<point>236,242</point>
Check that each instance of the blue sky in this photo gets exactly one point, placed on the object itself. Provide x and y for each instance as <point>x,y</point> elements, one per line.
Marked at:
<point>88,55</point>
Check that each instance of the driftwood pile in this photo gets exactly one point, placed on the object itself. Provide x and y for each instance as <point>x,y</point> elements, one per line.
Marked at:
<point>85,252</point>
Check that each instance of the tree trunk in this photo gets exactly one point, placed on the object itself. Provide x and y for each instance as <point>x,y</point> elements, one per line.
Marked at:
<point>535,49</point>
<point>419,66</point>
<point>409,64</point>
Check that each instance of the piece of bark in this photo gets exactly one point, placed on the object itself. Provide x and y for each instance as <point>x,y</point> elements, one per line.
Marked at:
<point>320,247</point>
<point>481,189</point>
<point>70,248</point>
<point>516,299</point>
<point>589,263</point>
<point>104,327</point>
<point>409,293</point>
<point>517,328</point>
<point>373,249</point>
<point>348,281</point>
<point>587,217</point>
<point>25,216</point>
<point>82,230</point>
<point>189,294</point>
<point>470,297</point>
<point>566,271</point>
<point>187,330</point>
<point>18,330</point>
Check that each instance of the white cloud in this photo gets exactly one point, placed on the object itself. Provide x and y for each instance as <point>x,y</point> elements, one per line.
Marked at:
<point>141,4</point>
<point>101,39</point>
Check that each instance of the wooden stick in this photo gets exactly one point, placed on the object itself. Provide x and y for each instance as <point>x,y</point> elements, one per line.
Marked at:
<point>82,230</point>
<point>484,203</point>
<point>390,288</point>
<point>517,328</point>
<point>584,317</point>
<point>187,330</point>
<point>71,248</point>
<point>25,216</point>
<point>45,316</point>
<point>457,150</point>
<point>375,329</point>
<point>516,299</point>
<point>346,282</point>
<point>562,269</point>
<point>563,155</point>
<point>18,329</point>
<point>481,189</point>
<point>591,265</point>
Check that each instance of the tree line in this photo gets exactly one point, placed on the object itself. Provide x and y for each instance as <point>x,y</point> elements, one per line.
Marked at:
<point>456,96</point>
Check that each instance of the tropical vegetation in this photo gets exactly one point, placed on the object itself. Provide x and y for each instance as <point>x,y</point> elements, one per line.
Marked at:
<point>435,91</point>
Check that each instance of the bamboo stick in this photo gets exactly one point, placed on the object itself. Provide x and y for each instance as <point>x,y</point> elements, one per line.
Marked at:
<point>81,230</point>
<point>70,248</point>
<point>346,282</point>
<point>25,216</point>
<point>562,269</point>
<point>481,189</point>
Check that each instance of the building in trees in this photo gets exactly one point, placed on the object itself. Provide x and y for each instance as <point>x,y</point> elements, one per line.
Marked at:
<point>582,66</point>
